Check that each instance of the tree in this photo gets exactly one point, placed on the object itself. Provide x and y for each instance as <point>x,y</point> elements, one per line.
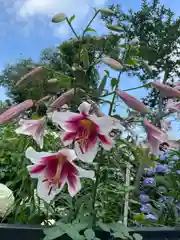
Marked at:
<point>158,32</point>
<point>58,62</point>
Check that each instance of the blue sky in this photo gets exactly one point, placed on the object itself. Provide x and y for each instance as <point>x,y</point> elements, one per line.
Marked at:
<point>26,27</point>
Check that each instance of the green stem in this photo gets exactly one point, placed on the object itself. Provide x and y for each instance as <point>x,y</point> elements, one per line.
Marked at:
<point>90,22</point>
<point>117,84</point>
<point>72,28</point>
<point>94,194</point>
<point>114,95</point>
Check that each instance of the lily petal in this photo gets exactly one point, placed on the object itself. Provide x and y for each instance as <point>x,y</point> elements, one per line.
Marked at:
<point>36,171</point>
<point>61,118</point>
<point>87,156</point>
<point>35,156</point>
<point>74,185</point>
<point>85,173</point>
<point>84,108</point>
<point>67,138</point>
<point>69,153</point>
<point>106,142</point>
<point>106,124</point>
<point>43,190</point>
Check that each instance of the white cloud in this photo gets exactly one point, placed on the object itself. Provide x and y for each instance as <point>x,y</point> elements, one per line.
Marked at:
<point>42,11</point>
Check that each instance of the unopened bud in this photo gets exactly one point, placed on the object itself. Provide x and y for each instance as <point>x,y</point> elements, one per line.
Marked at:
<point>114,28</point>
<point>65,98</point>
<point>15,111</point>
<point>106,11</point>
<point>60,17</point>
<point>32,73</point>
<point>112,63</point>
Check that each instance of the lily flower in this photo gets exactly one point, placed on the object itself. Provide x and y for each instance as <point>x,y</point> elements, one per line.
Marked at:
<point>132,102</point>
<point>86,131</point>
<point>53,170</point>
<point>166,90</point>
<point>155,137</point>
<point>34,128</point>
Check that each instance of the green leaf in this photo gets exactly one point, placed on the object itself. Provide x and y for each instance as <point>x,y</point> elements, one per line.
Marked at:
<point>73,233</point>
<point>119,235</point>
<point>53,233</point>
<point>89,234</point>
<point>84,57</point>
<point>114,81</point>
<point>146,67</point>
<point>102,85</point>
<point>72,18</point>
<point>104,227</point>
<point>89,30</point>
<point>137,236</point>
<point>107,72</point>
<point>80,226</point>
<point>131,61</point>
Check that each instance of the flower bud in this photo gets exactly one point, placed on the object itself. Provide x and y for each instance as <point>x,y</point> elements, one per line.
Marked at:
<point>112,63</point>
<point>32,73</point>
<point>106,11</point>
<point>6,200</point>
<point>59,17</point>
<point>114,28</point>
<point>65,98</point>
<point>15,111</point>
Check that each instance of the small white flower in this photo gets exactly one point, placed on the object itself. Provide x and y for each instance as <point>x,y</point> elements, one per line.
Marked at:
<point>6,200</point>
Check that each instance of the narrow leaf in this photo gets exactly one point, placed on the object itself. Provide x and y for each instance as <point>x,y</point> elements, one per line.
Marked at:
<point>72,18</point>
<point>89,30</point>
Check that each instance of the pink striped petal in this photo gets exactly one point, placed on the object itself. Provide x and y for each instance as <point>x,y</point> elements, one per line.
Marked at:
<point>106,142</point>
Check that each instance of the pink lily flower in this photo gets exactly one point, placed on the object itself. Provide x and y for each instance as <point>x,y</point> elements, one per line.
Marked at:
<point>155,137</point>
<point>15,111</point>
<point>34,128</point>
<point>53,170</point>
<point>86,131</point>
<point>166,90</point>
<point>132,102</point>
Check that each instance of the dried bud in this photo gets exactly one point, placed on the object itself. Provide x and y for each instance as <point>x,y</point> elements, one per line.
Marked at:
<point>28,75</point>
<point>106,11</point>
<point>112,63</point>
<point>60,17</point>
<point>15,111</point>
